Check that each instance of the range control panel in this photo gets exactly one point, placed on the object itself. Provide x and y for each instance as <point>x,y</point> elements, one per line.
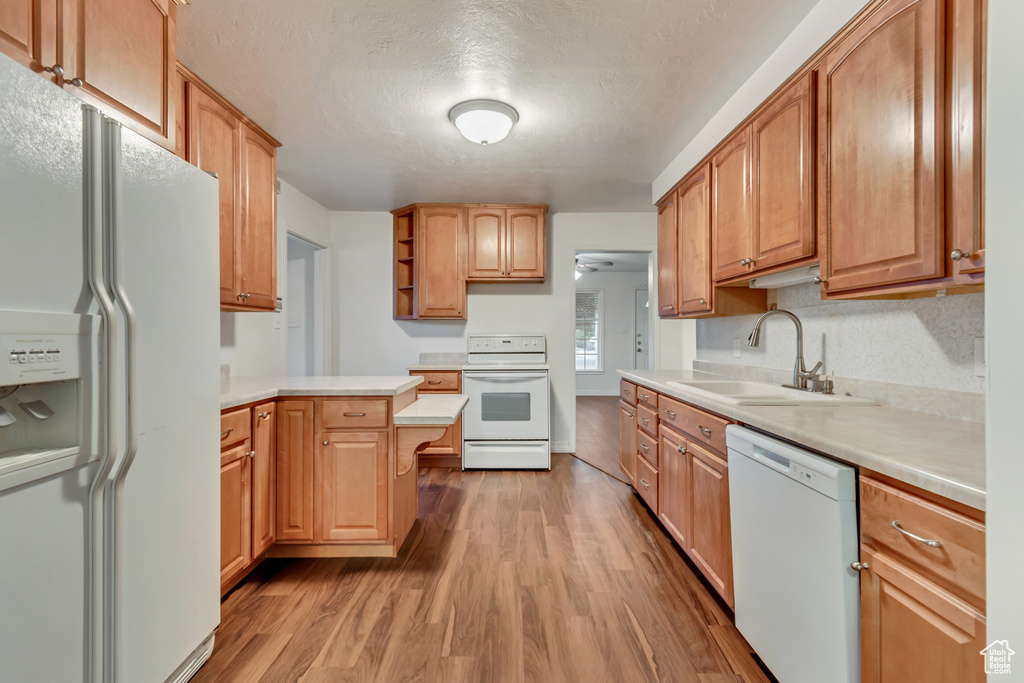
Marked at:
<point>509,343</point>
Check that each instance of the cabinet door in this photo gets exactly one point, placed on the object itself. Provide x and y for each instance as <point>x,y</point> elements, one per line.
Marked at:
<point>235,529</point>
<point>264,478</point>
<point>257,241</point>
<point>710,544</point>
<point>695,243</point>
<point>213,147</point>
<point>28,33</point>
<point>441,257</point>
<point>783,137</point>
<point>295,471</point>
<point>675,486</point>
<point>668,257</point>
<point>731,206</point>
<point>914,632</point>
<point>124,52</point>
<point>353,496</point>
<point>627,440</point>
<point>880,160</point>
<point>524,243</point>
<point>486,228</point>
<point>967,95</point>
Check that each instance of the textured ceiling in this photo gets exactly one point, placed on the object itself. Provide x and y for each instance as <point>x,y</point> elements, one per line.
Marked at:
<point>358,91</point>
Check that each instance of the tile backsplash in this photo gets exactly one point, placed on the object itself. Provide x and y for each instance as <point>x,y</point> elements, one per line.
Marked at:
<point>918,342</point>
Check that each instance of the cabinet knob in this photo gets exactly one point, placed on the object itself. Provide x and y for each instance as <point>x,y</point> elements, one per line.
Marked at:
<point>56,70</point>
<point>327,443</point>
<point>264,416</point>
<point>252,454</point>
<point>682,449</point>
<point>743,262</point>
<point>703,302</point>
<point>77,82</point>
<point>859,566</point>
<point>956,255</point>
<point>818,280</point>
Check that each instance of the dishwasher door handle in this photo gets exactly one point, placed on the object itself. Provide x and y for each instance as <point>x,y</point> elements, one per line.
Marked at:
<point>776,462</point>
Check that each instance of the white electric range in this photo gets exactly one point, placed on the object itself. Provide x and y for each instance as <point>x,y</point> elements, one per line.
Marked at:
<point>506,424</point>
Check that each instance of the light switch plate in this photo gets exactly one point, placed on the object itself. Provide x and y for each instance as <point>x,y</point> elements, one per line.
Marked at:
<point>736,348</point>
<point>979,357</point>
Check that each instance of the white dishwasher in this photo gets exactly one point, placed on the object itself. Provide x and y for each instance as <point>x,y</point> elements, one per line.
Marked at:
<point>794,536</point>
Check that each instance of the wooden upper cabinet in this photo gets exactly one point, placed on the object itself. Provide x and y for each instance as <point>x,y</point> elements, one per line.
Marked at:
<point>214,147</point>
<point>440,262</point>
<point>694,217</point>
<point>731,203</point>
<point>295,470</point>
<point>505,242</point>
<point>783,137</point>
<point>124,53</point>
<point>353,472</point>
<point>967,96</point>
<point>264,478</point>
<point>486,228</point>
<point>524,242</point>
<point>222,140</point>
<point>28,33</point>
<point>668,257</point>
<point>257,236</point>
<point>881,149</point>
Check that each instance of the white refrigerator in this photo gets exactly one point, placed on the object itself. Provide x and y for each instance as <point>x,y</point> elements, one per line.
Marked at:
<point>109,397</point>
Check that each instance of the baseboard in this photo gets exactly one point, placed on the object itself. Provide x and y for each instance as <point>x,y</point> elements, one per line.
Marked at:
<point>194,662</point>
<point>597,392</point>
<point>560,447</point>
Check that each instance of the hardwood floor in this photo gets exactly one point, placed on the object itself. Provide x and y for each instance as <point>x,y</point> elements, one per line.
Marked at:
<point>507,576</point>
<point>597,433</point>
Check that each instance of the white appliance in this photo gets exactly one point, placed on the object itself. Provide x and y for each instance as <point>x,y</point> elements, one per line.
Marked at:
<point>109,397</point>
<point>794,537</point>
<point>506,422</point>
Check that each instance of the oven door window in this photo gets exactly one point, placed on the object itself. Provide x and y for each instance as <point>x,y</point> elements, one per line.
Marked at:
<point>505,407</point>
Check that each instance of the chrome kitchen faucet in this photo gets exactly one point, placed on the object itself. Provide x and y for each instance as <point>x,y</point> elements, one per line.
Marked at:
<point>801,375</point>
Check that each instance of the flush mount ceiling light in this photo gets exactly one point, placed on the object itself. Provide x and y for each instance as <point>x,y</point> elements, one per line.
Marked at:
<point>483,121</point>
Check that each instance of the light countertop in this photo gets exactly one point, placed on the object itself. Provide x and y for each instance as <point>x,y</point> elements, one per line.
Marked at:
<point>434,409</point>
<point>431,367</point>
<point>937,454</point>
<point>439,361</point>
<point>243,390</point>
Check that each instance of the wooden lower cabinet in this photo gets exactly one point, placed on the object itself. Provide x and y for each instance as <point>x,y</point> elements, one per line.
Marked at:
<point>446,451</point>
<point>264,478</point>
<point>295,470</point>
<point>627,440</point>
<point>912,631</point>
<point>352,471</point>
<point>675,487</point>
<point>235,511</point>
<point>710,542</point>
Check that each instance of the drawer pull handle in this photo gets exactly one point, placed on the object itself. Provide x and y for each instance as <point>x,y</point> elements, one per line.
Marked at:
<point>355,414</point>
<point>670,414</point>
<point>896,525</point>
<point>646,421</point>
<point>645,484</point>
<point>226,432</point>
<point>704,429</point>
<point>625,391</point>
<point>644,396</point>
<point>859,566</point>
<point>433,381</point>
<point>644,446</point>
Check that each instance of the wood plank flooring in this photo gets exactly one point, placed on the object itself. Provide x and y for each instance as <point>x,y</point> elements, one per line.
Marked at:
<point>597,433</point>
<point>507,576</point>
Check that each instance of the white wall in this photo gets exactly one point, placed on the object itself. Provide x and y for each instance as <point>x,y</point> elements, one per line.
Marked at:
<point>1004,179</point>
<point>369,341</point>
<point>618,331</point>
<point>254,343</point>
<point>823,21</point>
<point>920,342</point>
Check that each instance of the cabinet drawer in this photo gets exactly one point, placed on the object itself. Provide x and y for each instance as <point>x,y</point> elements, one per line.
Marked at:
<point>958,565</point>
<point>627,392</point>
<point>355,414</point>
<point>647,419</point>
<point>438,381</point>
<point>647,446</point>
<point>235,426</point>
<point>647,483</point>
<point>647,397</point>
<point>704,428</point>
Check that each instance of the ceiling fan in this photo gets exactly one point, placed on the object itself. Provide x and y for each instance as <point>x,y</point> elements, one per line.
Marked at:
<point>589,266</point>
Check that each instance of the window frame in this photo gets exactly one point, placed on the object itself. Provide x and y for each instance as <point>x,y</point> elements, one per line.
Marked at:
<point>599,336</point>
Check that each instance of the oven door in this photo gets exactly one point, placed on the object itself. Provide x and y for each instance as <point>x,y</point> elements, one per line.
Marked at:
<point>505,404</point>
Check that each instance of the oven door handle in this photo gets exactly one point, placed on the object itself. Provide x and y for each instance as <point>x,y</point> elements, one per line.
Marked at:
<point>521,376</point>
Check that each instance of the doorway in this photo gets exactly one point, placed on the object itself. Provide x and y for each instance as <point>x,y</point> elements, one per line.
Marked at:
<point>304,305</point>
<point>612,333</point>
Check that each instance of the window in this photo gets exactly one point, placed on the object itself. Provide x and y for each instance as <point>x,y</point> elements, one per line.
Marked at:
<point>589,314</point>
